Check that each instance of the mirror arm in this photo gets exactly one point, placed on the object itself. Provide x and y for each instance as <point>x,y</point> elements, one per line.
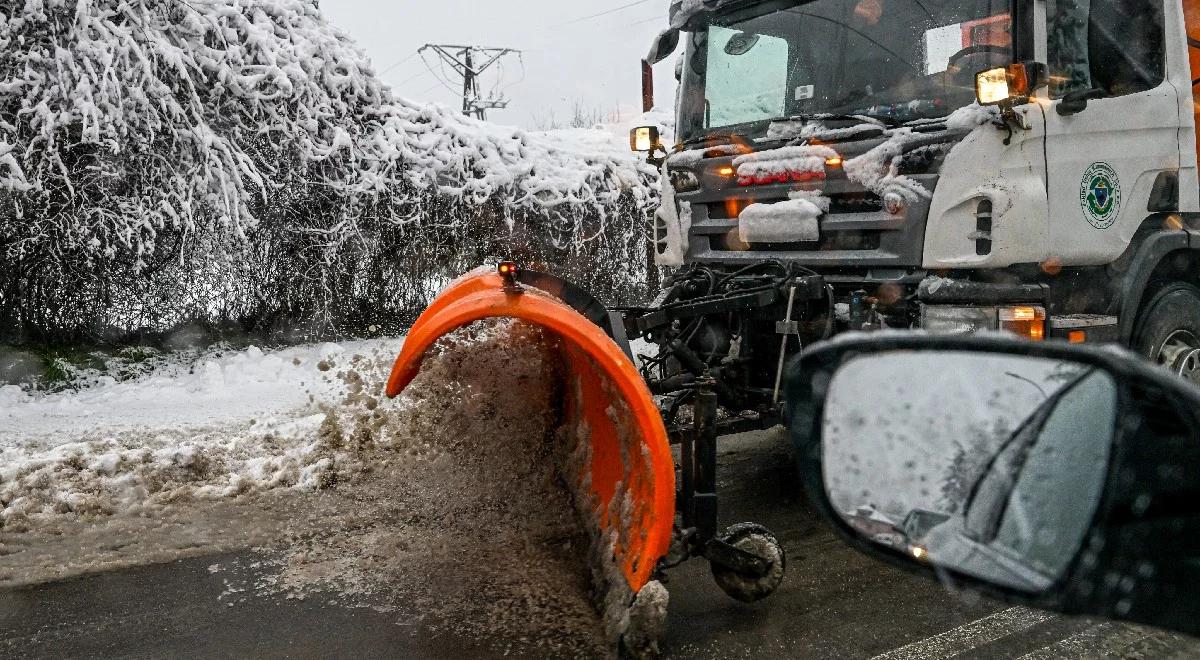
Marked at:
<point>647,86</point>
<point>1077,101</point>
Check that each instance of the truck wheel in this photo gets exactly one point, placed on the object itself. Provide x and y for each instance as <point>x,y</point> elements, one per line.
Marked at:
<point>1169,330</point>
<point>757,540</point>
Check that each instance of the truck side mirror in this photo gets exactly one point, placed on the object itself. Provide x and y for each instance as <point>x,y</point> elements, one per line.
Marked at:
<point>663,45</point>
<point>1051,475</point>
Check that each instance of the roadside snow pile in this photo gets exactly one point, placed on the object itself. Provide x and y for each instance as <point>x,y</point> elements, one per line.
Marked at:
<point>475,160</point>
<point>236,424</point>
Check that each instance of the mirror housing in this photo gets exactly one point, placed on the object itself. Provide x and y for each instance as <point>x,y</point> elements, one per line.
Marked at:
<point>1139,558</point>
<point>663,45</point>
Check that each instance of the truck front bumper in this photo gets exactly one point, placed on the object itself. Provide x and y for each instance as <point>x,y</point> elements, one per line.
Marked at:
<point>953,306</point>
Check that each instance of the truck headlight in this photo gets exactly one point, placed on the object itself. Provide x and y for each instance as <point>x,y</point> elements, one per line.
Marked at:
<point>950,320</point>
<point>991,86</point>
<point>1007,85</point>
<point>1028,321</point>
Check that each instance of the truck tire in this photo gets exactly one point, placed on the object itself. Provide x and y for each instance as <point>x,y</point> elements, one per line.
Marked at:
<point>1168,332</point>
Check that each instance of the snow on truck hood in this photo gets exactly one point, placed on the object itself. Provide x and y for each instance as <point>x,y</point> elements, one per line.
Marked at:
<point>876,170</point>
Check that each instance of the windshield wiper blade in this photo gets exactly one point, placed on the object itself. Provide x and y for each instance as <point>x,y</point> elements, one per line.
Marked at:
<point>715,139</point>
<point>838,116</point>
<point>861,118</point>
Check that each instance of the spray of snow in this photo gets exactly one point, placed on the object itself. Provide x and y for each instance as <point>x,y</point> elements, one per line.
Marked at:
<point>463,504</point>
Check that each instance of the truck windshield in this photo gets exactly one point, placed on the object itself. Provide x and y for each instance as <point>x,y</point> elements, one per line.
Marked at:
<point>898,60</point>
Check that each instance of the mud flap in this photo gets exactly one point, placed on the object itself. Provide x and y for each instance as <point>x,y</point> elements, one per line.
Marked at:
<point>628,470</point>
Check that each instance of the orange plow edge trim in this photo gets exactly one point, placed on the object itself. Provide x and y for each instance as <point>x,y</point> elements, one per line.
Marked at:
<point>642,514</point>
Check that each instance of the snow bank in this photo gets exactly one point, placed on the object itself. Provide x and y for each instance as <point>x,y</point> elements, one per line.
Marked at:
<point>221,426</point>
<point>464,157</point>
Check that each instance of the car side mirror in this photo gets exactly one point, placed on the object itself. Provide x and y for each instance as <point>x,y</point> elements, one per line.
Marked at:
<point>1057,476</point>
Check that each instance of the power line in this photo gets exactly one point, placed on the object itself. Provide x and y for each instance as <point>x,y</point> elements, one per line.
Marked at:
<point>396,64</point>
<point>603,13</point>
<point>662,19</point>
<point>440,78</point>
<point>412,78</point>
<point>429,89</point>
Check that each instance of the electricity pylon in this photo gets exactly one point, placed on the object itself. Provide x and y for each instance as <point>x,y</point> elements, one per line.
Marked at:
<point>465,60</point>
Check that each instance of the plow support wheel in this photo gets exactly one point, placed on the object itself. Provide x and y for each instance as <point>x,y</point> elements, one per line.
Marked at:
<point>631,475</point>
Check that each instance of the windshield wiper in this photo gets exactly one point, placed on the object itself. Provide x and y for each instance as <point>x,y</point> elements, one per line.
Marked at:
<point>715,139</point>
<point>890,122</point>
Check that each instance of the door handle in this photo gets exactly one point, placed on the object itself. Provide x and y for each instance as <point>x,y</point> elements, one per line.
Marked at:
<point>1077,101</point>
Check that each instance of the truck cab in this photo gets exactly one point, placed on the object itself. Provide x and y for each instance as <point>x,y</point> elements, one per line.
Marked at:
<point>952,165</point>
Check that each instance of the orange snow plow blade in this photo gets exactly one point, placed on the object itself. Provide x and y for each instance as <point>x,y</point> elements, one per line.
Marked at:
<point>631,475</point>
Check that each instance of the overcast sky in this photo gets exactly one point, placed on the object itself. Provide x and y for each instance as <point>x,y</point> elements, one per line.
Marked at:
<point>566,60</point>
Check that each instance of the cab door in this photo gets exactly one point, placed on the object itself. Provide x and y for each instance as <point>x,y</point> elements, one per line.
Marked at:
<point>1113,121</point>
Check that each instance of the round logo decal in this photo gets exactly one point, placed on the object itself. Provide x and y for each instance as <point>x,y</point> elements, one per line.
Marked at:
<point>1100,195</point>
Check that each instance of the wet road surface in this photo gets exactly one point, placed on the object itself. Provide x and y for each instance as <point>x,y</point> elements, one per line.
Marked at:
<point>834,603</point>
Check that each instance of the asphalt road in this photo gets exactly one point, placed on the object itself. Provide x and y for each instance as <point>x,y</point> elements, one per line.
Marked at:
<point>834,603</point>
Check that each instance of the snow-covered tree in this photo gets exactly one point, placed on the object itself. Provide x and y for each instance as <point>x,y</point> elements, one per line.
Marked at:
<point>238,159</point>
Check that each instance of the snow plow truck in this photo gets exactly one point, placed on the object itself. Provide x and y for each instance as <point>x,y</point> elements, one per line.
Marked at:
<point>854,165</point>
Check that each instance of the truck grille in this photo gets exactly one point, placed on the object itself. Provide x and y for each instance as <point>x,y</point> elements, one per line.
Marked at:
<point>856,231</point>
